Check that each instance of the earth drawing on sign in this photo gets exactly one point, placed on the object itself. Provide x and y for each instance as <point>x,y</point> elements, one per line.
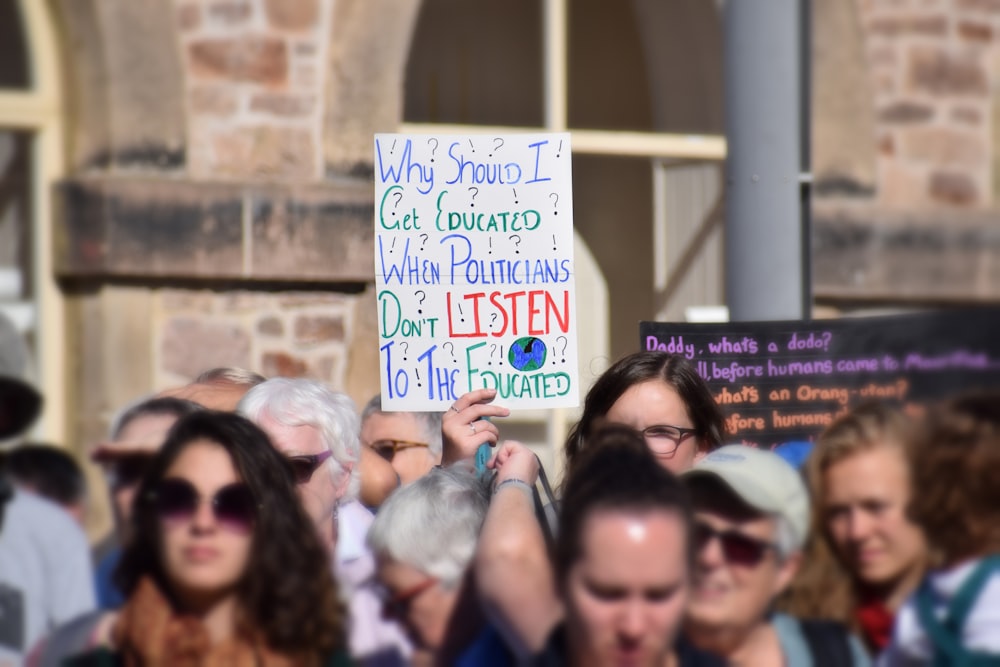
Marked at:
<point>527,354</point>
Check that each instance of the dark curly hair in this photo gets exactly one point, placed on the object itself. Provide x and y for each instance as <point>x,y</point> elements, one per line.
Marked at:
<point>616,472</point>
<point>288,591</point>
<point>639,367</point>
<point>956,467</point>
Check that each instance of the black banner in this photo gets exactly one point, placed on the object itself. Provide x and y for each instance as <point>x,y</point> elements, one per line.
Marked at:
<point>785,381</point>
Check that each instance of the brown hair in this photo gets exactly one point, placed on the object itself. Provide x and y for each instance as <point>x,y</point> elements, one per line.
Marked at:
<point>956,466</point>
<point>824,587</point>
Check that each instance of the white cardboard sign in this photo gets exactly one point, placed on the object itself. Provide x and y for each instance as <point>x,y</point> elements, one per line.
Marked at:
<point>474,269</point>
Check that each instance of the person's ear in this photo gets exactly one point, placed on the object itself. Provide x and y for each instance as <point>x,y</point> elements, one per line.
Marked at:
<point>787,570</point>
<point>345,479</point>
<point>702,450</point>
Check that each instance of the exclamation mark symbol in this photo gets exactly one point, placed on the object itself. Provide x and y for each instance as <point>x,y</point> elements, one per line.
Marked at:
<point>515,195</point>
<point>553,241</point>
<point>559,150</point>
<point>460,312</point>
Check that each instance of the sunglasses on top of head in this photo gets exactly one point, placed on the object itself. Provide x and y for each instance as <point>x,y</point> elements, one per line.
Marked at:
<point>127,470</point>
<point>304,465</point>
<point>177,500</point>
<point>738,548</point>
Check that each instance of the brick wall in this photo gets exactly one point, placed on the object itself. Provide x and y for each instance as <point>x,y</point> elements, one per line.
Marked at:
<point>254,78</point>
<point>934,69</point>
<point>285,333</point>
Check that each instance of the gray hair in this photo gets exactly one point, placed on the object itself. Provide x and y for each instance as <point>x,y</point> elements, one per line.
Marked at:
<point>433,524</point>
<point>303,402</point>
<point>234,375</point>
<point>785,541</point>
<point>430,422</point>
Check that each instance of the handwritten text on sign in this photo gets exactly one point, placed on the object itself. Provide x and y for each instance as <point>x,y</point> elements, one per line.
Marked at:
<point>474,269</point>
<point>783,381</point>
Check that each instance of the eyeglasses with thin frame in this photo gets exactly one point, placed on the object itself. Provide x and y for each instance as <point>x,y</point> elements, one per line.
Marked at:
<point>176,501</point>
<point>304,465</point>
<point>664,439</point>
<point>737,548</point>
<point>396,606</point>
<point>387,449</point>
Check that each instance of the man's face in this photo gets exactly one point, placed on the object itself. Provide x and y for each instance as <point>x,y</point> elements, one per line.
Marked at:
<point>739,570</point>
<point>864,504</point>
<point>410,460</point>
<point>139,441</point>
<point>320,494</point>
<point>626,593</point>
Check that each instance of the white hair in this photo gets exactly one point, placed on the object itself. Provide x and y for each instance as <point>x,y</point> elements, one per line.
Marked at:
<point>786,542</point>
<point>433,524</point>
<point>303,402</point>
<point>430,422</point>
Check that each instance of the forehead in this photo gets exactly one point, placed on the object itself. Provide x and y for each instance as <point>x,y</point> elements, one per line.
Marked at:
<point>151,428</point>
<point>291,440</point>
<point>205,464</point>
<point>710,495</point>
<point>648,403</point>
<point>392,425</point>
<point>870,472</point>
<point>633,545</point>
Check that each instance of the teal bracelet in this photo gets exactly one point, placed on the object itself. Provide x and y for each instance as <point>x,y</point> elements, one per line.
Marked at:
<point>516,482</point>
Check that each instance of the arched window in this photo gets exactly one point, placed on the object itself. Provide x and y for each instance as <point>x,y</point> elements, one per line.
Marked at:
<point>30,162</point>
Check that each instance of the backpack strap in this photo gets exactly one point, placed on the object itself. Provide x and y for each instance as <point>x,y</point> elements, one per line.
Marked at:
<point>828,642</point>
<point>945,633</point>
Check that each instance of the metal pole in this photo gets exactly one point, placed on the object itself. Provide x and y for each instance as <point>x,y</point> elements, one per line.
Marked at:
<point>764,267</point>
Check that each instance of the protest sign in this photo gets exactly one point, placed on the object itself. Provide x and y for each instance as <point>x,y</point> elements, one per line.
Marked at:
<point>474,269</point>
<point>780,382</point>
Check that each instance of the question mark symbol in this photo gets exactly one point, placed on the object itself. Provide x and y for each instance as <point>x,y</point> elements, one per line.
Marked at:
<point>451,350</point>
<point>493,348</point>
<point>420,294</point>
<point>475,191</point>
<point>901,386</point>
<point>423,240</point>
<point>565,345</point>
<point>554,203</point>
<point>399,197</point>
<point>434,148</point>
<point>827,337</point>
<point>497,145</point>
<point>493,320</point>
<point>406,347</point>
<point>517,242</point>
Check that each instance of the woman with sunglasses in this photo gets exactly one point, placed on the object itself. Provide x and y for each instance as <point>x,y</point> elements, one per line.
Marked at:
<point>222,565</point>
<point>751,512</point>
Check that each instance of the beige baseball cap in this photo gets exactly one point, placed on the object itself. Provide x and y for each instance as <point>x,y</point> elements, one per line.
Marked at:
<point>763,480</point>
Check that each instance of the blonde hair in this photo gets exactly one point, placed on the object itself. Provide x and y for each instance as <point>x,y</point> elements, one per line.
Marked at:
<point>824,586</point>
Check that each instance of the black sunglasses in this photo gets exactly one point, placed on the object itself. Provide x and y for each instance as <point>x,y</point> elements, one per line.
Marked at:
<point>233,506</point>
<point>305,465</point>
<point>739,549</point>
<point>127,470</point>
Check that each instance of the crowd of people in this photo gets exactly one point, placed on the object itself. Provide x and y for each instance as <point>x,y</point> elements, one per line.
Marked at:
<point>268,522</point>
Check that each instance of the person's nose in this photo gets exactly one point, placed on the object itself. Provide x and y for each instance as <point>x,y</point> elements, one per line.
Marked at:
<point>632,621</point>
<point>711,555</point>
<point>859,526</point>
<point>203,520</point>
